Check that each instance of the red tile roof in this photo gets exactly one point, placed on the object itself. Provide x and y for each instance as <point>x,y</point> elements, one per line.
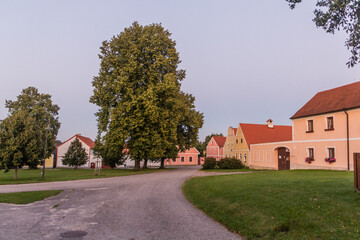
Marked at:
<point>261,133</point>
<point>220,140</point>
<point>235,130</point>
<point>331,100</point>
<point>86,140</point>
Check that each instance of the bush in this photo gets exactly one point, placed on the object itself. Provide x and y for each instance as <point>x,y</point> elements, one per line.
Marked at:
<point>230,163</point>
<point>209,163</point>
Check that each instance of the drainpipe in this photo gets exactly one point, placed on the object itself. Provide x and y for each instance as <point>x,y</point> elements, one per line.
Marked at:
<point>347,139</point>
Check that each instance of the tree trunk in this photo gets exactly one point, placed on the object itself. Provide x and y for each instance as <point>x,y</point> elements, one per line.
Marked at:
<point>15,173</point>
<point>145,164</point>
<point>75,167</point>
<point>137,165</point>
<point>162,164</point>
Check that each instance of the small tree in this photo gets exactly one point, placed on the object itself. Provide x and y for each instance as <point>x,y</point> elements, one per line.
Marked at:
<point>76,155</point>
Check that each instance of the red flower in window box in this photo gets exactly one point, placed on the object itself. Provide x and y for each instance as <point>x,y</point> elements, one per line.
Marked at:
<point>309,160</point>
<point>330,160</point>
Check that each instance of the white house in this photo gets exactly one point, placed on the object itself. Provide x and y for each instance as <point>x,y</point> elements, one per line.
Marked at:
<point>86,143</point>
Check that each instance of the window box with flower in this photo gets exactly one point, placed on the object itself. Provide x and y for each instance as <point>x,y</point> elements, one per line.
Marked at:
<point>330,160</point>
<point>309,160</point>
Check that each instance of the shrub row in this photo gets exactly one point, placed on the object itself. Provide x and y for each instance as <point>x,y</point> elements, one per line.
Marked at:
<point>225,163</point>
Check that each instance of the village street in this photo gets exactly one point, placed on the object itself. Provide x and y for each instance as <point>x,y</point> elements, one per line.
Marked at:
<point>148,206</point>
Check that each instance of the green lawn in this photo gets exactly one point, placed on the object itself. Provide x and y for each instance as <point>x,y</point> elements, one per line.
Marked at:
<point>34,176</point>
<point>300,204</point>
<point>27,197</point>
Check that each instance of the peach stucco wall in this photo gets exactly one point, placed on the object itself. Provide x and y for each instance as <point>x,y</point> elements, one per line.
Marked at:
<point>213,150</point>
<point>320,140</point>
<point>186,156</point>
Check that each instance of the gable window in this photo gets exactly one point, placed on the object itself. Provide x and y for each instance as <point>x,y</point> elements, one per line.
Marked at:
<point>241,140</point>
<point>182,159</point>
<point>190,159</point>
<point>237,141</point>
<point>310,126</point>
<point>330,123</point>
<point>212,142</point>
<point>331,152</point>
<point>311,153</point>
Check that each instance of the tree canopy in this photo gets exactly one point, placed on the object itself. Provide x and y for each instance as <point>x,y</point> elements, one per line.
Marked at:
<point>336,15</point>
<point>141,106</point>
<point>23,132</point>
<point>76,155</point>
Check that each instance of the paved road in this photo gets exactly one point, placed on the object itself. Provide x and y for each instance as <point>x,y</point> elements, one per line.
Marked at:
<point>149,206</point>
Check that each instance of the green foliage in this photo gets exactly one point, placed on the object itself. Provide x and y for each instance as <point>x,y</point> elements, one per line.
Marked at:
<point>209,163</point>
<point>23,132</point>
<point>141,106</point>
<point>76,155</point>
<point>335,15</point>
<point>230,163</point>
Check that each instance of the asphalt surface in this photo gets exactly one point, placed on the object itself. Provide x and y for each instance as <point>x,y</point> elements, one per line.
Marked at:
<point>148,206</point>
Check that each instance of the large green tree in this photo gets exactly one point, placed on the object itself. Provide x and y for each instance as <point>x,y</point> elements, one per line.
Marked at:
<point>76,155</point>
<point>333,15</point>
<point>32,119</point>
<point>141,106</point>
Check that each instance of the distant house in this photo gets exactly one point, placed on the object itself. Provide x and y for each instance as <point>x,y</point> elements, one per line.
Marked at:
<point>229,143</point>
<point>248,134</point>
<point>325,134</point>
<point>189,157</point>
<point>86,143</point>
<point>215,147</point>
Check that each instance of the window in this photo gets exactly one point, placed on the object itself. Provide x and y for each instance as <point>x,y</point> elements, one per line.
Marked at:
<point>241,140</point>
<point>331,153</point>
<point>310,126</point>
<point>212,142</point>
<point>190,159</point>
<point>240,157</point>
<point>330,123</point>
<point>311,153</point>
<point>237,141</point>
<point>236,155</point>
<point>182,159</point>
<point>245,157</point>
<point>174,159</point>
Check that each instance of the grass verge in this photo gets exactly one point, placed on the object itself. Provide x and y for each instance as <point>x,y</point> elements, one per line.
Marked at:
<point>27,197</point>
<point>300,204</point>
<point>231,170</point>
<point>62,174</point>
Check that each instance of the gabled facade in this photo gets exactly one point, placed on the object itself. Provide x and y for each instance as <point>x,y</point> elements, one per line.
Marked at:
<point>215,147</point>
<point>86,143</point>
<point>326,133</point>
<point>248,134</point>
<point>229,143</point>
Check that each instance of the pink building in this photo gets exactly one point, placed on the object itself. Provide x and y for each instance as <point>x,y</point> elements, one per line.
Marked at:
<point>326,133</point>
<point>189,157</point>
<point>215,147</point>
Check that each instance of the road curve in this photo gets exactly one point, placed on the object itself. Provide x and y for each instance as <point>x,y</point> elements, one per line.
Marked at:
<point>148,206</point>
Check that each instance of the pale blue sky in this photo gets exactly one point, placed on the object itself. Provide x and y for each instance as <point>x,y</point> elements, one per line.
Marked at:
<point>246,61</point>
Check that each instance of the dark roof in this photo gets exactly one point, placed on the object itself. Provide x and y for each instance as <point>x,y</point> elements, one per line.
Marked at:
<point>220,140</point>
<point>333,100</point>
<point>261,133</point>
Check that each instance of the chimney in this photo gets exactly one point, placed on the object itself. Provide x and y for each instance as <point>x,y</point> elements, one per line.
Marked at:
<point>270,123</point>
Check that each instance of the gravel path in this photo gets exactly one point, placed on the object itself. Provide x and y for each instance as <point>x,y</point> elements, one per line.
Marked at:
<point>149,206</point>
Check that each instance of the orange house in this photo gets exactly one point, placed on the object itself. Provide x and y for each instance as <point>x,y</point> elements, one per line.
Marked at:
<point>326,133</point>
<point>215,147</point>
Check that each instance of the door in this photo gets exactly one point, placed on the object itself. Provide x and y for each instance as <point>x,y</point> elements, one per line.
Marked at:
<point>357,170</point>
<point>283,159</point>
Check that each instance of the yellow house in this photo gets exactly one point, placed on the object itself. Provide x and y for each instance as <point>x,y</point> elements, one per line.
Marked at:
<point>229,143</point>
<point>241,148</point>
<point>48,162</point>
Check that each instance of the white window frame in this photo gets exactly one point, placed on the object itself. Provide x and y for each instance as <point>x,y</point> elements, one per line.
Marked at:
<point>307,124</point>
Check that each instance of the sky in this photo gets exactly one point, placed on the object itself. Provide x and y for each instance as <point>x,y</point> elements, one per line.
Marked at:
<point>245,61</point>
